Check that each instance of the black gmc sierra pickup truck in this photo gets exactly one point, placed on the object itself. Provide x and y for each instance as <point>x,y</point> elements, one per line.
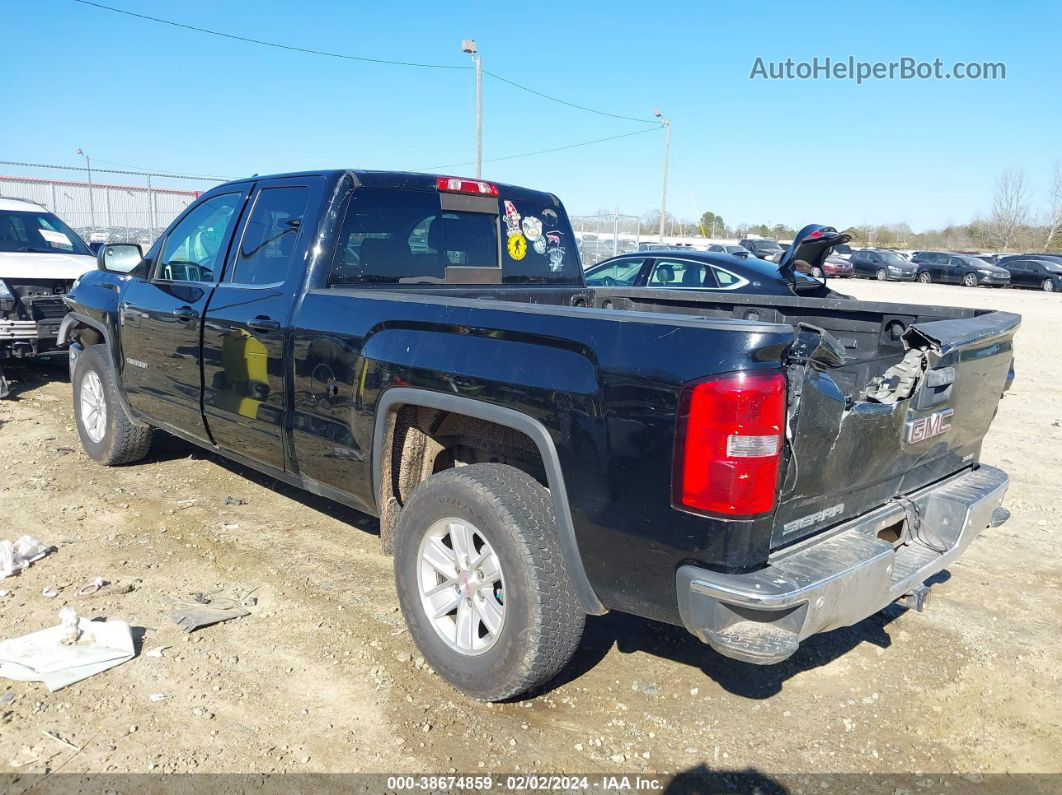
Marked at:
<point>754,468</point>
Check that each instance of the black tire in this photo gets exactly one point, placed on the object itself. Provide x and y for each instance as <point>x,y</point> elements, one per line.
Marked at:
<point>122,441</point>
<point>882,274</point>
<point>924,277</point>
<point>969,280</point>
<point>543,620</point>
<point>1048,286</point>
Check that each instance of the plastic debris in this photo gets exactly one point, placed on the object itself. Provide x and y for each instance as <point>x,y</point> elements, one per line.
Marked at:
<point>47,656</point>
<point>157,696</point>
<point>92,587</point>
<point>194,615</point>
<point>157,652</point>
<point>4,593</point>
<point>7,698</point>
<point>235,501</point>
<point>49,592</point>
<point>18,555</point>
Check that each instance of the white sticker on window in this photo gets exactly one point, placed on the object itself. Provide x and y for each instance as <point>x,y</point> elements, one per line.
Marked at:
<point>57,239</point>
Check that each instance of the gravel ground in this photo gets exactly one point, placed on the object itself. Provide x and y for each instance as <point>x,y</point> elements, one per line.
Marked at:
<point>322,675</point>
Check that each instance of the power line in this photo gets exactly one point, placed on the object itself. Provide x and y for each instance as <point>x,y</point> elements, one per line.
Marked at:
<point>277,45</point>
<point>546,151</point>
<point>347,57</point>
<point>562,101</point>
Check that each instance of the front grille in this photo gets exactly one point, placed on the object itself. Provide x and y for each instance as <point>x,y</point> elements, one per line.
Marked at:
<point>48,308</point>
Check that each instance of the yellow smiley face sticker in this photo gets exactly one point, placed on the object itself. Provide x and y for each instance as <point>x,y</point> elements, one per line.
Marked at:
<point>517,247</point>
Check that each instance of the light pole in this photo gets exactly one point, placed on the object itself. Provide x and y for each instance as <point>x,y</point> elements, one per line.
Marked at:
<point>469,46</point>
<point>667,154</point>
<point>92,204</point>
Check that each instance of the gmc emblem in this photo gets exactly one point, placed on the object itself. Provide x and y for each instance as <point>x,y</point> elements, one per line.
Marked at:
<point>929,426</point>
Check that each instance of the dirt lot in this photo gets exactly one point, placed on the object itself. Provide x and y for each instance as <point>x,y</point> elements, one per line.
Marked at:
<point>323,676</point>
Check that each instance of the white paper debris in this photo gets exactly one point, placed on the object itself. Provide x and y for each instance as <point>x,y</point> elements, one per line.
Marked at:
<point>157,652</point>
<point>44,657</point>
<point>157,696</point>
<point>19,555</point>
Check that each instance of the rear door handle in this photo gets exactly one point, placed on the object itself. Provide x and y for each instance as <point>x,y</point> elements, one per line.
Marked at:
<point>185,313</point>
<point>263,323</point>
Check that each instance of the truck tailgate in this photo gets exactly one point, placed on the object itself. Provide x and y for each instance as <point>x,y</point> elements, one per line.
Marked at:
<point>924,418</point>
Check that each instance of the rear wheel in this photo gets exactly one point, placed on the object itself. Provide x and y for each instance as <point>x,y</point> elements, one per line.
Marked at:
<point>924,277</point>
<point>1048,285</point>
<point>483,583</point>
<point>969,280</point>
<point>107,433</point>
<point>881,275</point>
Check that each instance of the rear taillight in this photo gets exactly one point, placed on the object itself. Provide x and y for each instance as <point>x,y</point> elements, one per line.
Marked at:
<point>729,444</point>
<point>474,187</point>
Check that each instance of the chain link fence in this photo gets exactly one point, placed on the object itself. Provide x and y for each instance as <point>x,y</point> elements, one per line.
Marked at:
<point>105,205</point>
<point>604,236</point>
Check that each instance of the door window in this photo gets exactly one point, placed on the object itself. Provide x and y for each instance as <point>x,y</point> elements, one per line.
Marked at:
<point>195,247</point>
<point>270,236</point>
<point>617,274</point>
<point>678,273</point>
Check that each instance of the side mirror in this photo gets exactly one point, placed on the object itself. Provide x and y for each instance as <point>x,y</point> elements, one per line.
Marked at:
<point>119,257</point>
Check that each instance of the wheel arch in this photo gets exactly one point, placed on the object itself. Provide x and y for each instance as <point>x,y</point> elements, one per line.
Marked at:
<point>397,397</point>
<point>70,325</point>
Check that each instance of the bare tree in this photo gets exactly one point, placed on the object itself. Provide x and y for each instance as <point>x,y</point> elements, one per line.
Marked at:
<point>1010,210</point>
<point>1054,206</point>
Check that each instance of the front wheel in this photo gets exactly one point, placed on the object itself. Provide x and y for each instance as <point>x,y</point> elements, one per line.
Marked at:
<point>924,277</point>
<point>881,275</point>
<point>107,433</point>
<point>1048,285</point>
<point>482,581</point>
<point>969,280</point>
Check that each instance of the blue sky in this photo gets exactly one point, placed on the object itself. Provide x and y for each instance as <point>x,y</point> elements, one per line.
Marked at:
<point>135,92</point>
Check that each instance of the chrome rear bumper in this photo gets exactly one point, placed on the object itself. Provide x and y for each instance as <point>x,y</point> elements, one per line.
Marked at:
<point>842,577</point>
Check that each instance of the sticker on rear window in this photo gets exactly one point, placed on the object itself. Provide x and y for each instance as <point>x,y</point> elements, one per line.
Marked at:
<point>517,246</point>
<point>512,218</point>
<point>540,245</point>
<point>556,259</point>
<point>549,216</point>
<point>57,239</point>
<point>532,228</point>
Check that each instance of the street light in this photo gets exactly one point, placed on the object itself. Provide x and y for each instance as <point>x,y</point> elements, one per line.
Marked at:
<point>469,46</point>
<point>92,204</point>
<point>667,153</point>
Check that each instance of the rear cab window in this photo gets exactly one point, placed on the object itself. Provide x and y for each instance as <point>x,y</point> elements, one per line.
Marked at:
<point>407,237</point>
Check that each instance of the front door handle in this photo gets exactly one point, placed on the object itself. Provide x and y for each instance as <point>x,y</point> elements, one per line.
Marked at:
<point>185,313</point>
<point>263,323</point>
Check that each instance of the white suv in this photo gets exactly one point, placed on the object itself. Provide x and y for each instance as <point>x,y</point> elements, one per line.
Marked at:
<point>40,257</point>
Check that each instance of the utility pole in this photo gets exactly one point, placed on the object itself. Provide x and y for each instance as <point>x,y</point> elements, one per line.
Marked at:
<point>92,205</point>
<point>667,154</point>
<point>469,46</point>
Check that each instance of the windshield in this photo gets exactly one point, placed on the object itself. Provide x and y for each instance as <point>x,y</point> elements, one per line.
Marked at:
<point>770,245</point>
<point>38,232</point>
<point>892,258</point>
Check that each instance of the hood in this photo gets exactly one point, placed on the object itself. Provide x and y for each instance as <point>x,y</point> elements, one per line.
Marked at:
<point>811,245</point>
<point>995,270</point>
<point>19,265</point>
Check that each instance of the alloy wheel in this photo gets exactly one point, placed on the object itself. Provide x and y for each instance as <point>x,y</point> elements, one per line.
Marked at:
<point>461,586</point>
<point>93,407</point>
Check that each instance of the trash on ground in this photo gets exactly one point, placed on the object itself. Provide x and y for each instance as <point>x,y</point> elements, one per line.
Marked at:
<point>193,615</point>
<point>92,587</point>
<point>7,698</point>
<point>46,656</point>
<point>186,503</point>
<point>50,591</point>
<point>157,652</point>
<point>235,501</point>
<point>58,739</point>
<point>230,526</point>
<point>61,451</point>
<point>4,593</point>
<point>157,696</point>
<point>18,555</point>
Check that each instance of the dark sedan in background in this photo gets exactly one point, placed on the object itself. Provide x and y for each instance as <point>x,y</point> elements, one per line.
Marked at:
<point>1035,272</point>
<point>686,269</point>
<point>947,267</point>
<point>737,251</point>
<point>882,265</point>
